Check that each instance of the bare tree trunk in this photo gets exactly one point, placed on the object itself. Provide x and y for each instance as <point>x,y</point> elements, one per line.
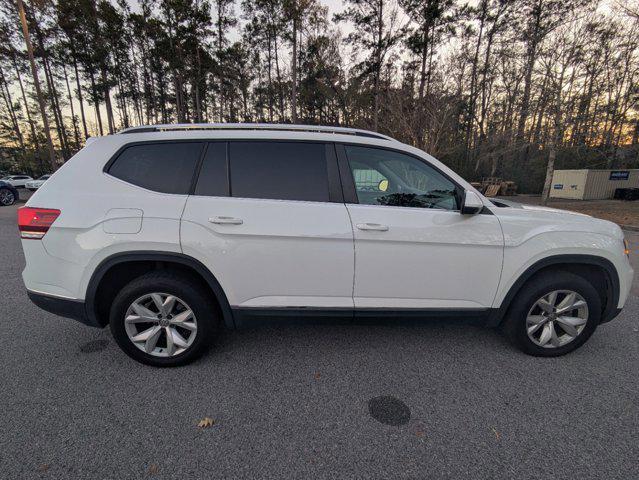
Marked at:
<point>485,92</point>
<point>430,61</point>
<point>36,82</point>
<point>96,103</point>
<point>424,57</point>
<point>220,46</point>
<point>473,83</point>
<point>53,93</point>
<point>270,81</point>
<point>554,142</point>
<point>378,64</point>
<point>294,72</point>
<point>34,137</point>
<point>279,78</point>
<point>122,105</point>
<point>73,119</point>
<point>6,96</point>
<point>55,105</point>
<point>79,92</point>
<point>198,99</point>
<point>107,102</point>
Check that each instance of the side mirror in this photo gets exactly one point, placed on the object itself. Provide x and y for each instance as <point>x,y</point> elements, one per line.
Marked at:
<point>471,204</point>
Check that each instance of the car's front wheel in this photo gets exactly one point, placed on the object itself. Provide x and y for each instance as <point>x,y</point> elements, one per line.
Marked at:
<point>7,197</point>
<point>553,314</point>
<point>163,319</point>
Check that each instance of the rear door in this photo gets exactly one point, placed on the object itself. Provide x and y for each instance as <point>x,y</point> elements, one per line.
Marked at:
<point>413,247</point>
<point>268,219</point>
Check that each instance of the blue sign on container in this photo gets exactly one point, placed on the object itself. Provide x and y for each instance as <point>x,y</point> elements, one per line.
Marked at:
<point>619,175</point>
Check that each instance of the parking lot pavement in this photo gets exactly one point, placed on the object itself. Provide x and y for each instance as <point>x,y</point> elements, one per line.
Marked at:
<point>308,402</point>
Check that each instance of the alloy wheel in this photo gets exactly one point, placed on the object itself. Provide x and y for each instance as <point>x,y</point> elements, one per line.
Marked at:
<point>6,197</point>
<point>557,318</point>
<point>160,324</point>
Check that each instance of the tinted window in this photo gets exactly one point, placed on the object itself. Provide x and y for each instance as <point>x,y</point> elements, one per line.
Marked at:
<point>162,167</point>
<point>213,180</point>
<point>279,170</point>
<point>384,177</point>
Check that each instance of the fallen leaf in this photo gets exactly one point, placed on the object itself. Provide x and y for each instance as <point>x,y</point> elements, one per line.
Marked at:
<point>43,468</point>
<point>317,375</point>
<point>497,435</point>
<point>206,422</point>
<point>154,469</point>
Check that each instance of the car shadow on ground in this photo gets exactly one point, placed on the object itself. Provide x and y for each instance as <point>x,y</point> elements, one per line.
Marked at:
<point>346,337</point>
<point>332,338</point>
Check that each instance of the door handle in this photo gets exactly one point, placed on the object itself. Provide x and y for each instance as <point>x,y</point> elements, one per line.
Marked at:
<point>226,220</point>
<point>372,226</point>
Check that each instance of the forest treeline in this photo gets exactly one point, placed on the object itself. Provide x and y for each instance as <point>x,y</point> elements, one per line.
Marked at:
<point>491,87</point>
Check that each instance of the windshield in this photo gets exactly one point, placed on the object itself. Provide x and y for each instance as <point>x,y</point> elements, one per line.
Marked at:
<point>44,177</point>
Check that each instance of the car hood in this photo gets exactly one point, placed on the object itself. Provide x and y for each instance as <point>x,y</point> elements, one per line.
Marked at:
<point>539,208</point>
<point>530,220</point>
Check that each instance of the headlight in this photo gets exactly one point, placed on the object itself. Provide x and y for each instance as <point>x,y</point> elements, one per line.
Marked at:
<point>626,248</point>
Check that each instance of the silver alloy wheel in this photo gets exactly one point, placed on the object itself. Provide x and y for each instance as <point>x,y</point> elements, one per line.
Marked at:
<point>6,197</point>
<point>160,324</point>
<point>557,318</point>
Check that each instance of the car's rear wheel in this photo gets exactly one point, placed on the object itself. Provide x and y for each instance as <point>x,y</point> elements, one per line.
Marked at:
<point>7,197</point>
<point>163,319</point>
<point>553,314</point>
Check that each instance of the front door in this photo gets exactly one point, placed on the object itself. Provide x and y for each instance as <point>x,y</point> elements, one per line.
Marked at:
<point>413,248</point>
<point>268,220</point>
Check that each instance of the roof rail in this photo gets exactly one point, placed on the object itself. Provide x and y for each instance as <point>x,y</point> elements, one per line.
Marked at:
<point>255,126</point>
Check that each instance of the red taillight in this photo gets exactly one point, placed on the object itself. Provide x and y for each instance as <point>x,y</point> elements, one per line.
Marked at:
<point>33,222</point>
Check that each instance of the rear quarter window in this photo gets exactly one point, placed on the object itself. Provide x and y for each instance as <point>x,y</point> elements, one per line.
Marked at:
<point>161,167</point>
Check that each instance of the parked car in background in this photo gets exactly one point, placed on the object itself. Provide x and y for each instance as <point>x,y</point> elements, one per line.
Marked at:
<point>8,194</point>
<point>18,181</point>
<point>176,231</point>
<point>33,185</point>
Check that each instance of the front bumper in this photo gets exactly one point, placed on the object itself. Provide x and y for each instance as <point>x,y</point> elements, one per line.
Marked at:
<point>64,307</point>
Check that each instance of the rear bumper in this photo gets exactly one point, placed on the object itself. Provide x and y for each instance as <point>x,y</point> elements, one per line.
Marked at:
<point>64,307</point>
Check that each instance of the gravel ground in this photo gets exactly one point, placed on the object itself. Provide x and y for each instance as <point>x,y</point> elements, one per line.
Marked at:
<point>434,400</point>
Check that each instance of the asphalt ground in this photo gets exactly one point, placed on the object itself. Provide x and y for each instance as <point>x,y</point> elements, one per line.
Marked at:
<point>427,400</point>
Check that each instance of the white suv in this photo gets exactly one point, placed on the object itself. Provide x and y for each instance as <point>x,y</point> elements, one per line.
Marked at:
<point>176,231</point>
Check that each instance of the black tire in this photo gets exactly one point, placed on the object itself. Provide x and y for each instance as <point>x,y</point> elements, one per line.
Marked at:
<point>540,285</point>
<point>185,288</point>
<point>7,197</point>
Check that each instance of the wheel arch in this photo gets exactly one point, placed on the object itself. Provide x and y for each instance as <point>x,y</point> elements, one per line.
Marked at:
<point>143,261</point>
<point>579,264</point>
